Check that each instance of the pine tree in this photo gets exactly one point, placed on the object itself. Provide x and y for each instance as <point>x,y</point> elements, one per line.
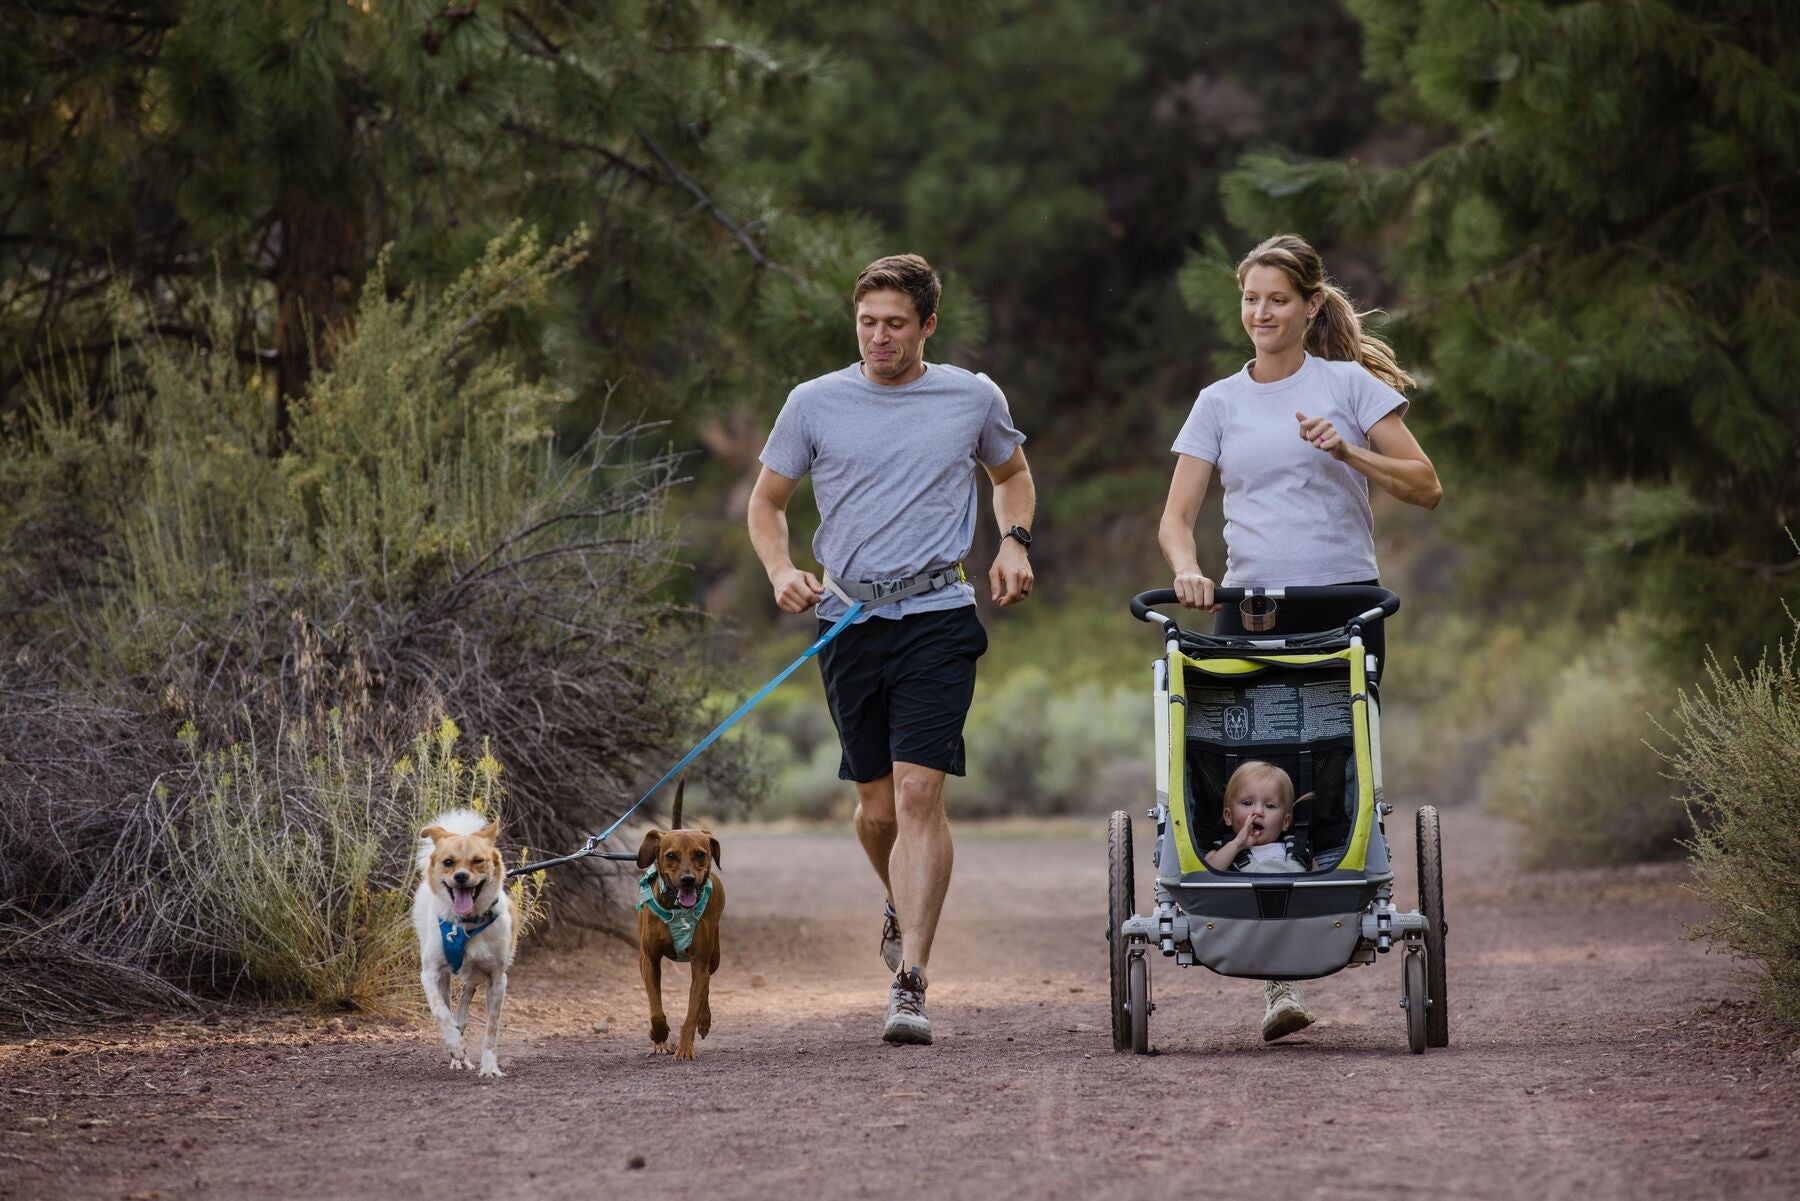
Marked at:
<point>1599,263</point>
<point>282,143</point>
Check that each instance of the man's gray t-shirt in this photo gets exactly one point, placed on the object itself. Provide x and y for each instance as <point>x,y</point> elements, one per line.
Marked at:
<point>1293,514</point>
<point>893,472</point>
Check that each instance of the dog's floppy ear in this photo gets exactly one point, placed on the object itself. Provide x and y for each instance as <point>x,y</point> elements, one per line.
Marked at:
<point>489,832</point>
<point>715,847</point>
<point>648,848</point>
<point>434,833</point>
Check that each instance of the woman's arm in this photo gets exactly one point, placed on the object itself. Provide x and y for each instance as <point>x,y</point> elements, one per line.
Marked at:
<point>1175,533</point>
<point>1393,460</point>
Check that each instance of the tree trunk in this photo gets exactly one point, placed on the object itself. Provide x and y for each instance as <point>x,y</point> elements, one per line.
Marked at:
<point>321,265</point>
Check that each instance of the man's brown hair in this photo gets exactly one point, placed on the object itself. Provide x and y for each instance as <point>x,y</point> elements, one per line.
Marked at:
<point>906,273</point>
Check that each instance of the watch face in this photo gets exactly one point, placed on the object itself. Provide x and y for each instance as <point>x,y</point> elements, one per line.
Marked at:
<point>1022,534</point>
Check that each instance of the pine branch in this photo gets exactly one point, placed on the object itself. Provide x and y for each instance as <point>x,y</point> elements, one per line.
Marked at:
<point>716,212</point>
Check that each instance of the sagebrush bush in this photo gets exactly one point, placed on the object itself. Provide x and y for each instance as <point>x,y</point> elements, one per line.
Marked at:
<point>291,866</point>
<point>412,544</point>
<point>1585,785</point>
<point>1737,752</point>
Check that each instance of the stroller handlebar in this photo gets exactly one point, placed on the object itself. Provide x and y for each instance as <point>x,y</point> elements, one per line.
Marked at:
<point>1382,603</point>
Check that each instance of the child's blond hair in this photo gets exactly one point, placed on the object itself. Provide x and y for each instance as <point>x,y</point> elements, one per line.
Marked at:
<point>1251,770</point>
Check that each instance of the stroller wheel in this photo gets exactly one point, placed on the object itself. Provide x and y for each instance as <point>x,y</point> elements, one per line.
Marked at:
<point>1119,907</point>
<point>1414,1000</point>
<point>1140,1005</point>
<point>1431,904</point>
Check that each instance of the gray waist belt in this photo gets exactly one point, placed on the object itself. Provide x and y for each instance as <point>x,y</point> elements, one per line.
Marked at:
<point>874,593</point>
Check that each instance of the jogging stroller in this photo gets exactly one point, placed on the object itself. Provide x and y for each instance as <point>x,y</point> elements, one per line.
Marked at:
<point>1307,703</point>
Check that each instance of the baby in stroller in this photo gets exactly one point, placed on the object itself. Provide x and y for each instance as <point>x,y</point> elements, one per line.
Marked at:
<point>1259,808</point>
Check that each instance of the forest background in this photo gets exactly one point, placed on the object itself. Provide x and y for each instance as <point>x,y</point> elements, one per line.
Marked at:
<point>381,384</point>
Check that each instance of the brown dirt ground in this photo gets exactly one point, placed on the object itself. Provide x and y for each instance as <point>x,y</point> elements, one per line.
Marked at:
<point>1594,1052</point>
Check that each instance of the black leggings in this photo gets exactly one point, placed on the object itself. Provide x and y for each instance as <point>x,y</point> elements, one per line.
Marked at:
<point>1306,616</point>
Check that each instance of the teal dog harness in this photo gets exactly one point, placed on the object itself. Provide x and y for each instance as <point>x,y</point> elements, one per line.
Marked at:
<point>681,922</point>
<point>456,938</point>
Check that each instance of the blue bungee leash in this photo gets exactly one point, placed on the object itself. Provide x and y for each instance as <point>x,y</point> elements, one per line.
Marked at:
<point>593,843</point>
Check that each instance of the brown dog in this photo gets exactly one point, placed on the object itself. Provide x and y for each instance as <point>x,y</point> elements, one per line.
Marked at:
<point>679,907</point>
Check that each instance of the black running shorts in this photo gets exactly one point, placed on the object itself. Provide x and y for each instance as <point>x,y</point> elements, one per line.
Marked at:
<point>899,689</point>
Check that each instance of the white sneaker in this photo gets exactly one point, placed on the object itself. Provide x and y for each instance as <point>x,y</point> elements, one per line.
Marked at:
<point>890,939</point>
<point>1287,1013</point>
<point>906,1020</point>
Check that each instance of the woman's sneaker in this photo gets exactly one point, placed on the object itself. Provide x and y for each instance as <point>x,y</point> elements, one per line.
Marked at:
<point>906,1020</point>
<point>1286,1013</point>
<point>890,939</point>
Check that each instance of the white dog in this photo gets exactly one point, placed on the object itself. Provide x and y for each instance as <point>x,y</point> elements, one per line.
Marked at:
<point>465,927</point>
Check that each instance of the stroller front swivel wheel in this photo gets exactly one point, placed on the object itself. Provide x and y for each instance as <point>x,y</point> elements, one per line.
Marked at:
<point>1139,1005</point>
<point>1414,999</point>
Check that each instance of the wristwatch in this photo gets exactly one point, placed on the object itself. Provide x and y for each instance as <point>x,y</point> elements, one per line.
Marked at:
<point>1019,532</point>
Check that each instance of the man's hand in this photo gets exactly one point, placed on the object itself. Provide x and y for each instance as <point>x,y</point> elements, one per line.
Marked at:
<point>1010,578</point>
<point>1195,591</point>
<point>1319,432</point>
<point>796,591</point>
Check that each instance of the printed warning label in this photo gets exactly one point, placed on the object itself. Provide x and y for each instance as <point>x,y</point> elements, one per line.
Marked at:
<point>1229,714</point>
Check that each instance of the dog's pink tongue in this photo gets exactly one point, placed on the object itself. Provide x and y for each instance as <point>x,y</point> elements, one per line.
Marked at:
<point>687,896</point>
<point>463,900</point>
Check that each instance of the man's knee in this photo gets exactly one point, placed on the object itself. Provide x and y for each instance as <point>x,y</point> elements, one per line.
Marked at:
<point>919,795</point>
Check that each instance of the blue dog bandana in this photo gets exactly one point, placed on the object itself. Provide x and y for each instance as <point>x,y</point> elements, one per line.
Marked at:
<point>681,922</point>
<point>456,938</point>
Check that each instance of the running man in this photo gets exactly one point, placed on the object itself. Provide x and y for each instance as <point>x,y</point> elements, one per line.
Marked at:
<point>892,443</point>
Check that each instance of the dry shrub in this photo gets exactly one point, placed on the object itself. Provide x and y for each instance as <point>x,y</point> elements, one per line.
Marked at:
<point>1738,753</point>
<point>1584,785</point>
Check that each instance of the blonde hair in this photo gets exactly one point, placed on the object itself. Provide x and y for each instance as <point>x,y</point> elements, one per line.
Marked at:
<point>1252,770</point>
<point>1337,331</point>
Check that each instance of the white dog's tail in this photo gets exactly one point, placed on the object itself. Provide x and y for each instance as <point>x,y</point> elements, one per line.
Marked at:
<point>457,821</point>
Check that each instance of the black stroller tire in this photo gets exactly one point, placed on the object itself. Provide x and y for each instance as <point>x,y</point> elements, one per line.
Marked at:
<point>1413,975</point>
<point>1431,904</point>
<point>1119,908</point>
<point>1140,1005</point>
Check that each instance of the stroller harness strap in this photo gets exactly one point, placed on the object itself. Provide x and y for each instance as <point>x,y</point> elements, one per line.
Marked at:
<point>881,592</point>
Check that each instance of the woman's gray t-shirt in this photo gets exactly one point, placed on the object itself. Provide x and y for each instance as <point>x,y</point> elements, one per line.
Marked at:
<point>1293,514</point>
<point>893,471</point>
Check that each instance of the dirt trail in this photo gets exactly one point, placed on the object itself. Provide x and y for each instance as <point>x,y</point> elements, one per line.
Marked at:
<point>1594,1053</point>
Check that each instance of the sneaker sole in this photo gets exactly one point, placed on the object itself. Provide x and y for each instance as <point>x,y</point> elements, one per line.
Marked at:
<point>1288,1023</point>
<point>905,1034</point>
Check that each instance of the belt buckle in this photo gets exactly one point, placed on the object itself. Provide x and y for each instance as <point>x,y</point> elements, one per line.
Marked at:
<point>885,588</point>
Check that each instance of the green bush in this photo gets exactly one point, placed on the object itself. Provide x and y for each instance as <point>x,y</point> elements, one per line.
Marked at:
<point>1584,784</point>
<point>1738,753</point>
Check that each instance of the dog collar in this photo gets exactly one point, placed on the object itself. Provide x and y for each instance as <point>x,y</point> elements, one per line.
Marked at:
<point>456,936</point>
<point>681,922</point>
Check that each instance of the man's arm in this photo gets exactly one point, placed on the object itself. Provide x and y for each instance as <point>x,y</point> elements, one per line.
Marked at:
<point>796,591</point>
<point>1015,503</point>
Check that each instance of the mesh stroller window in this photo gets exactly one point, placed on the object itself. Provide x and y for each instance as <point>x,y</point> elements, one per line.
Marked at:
<point>1300,722</point>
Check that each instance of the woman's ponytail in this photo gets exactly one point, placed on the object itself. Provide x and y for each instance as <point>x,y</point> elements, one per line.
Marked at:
<point>1338,333</point>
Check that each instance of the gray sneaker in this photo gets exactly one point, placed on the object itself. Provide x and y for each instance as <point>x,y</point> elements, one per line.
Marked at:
<point>890,939</point>
<point>906,1020</point>
<point>1287,1013</point>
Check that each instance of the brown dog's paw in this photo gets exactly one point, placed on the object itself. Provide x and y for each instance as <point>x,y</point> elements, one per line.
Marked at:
<point>685,1050</point>
<point>659,1030</point>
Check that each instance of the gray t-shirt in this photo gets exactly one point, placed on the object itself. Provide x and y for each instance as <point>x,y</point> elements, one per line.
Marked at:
<point>893,472</point>
<point>1293,514</point>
